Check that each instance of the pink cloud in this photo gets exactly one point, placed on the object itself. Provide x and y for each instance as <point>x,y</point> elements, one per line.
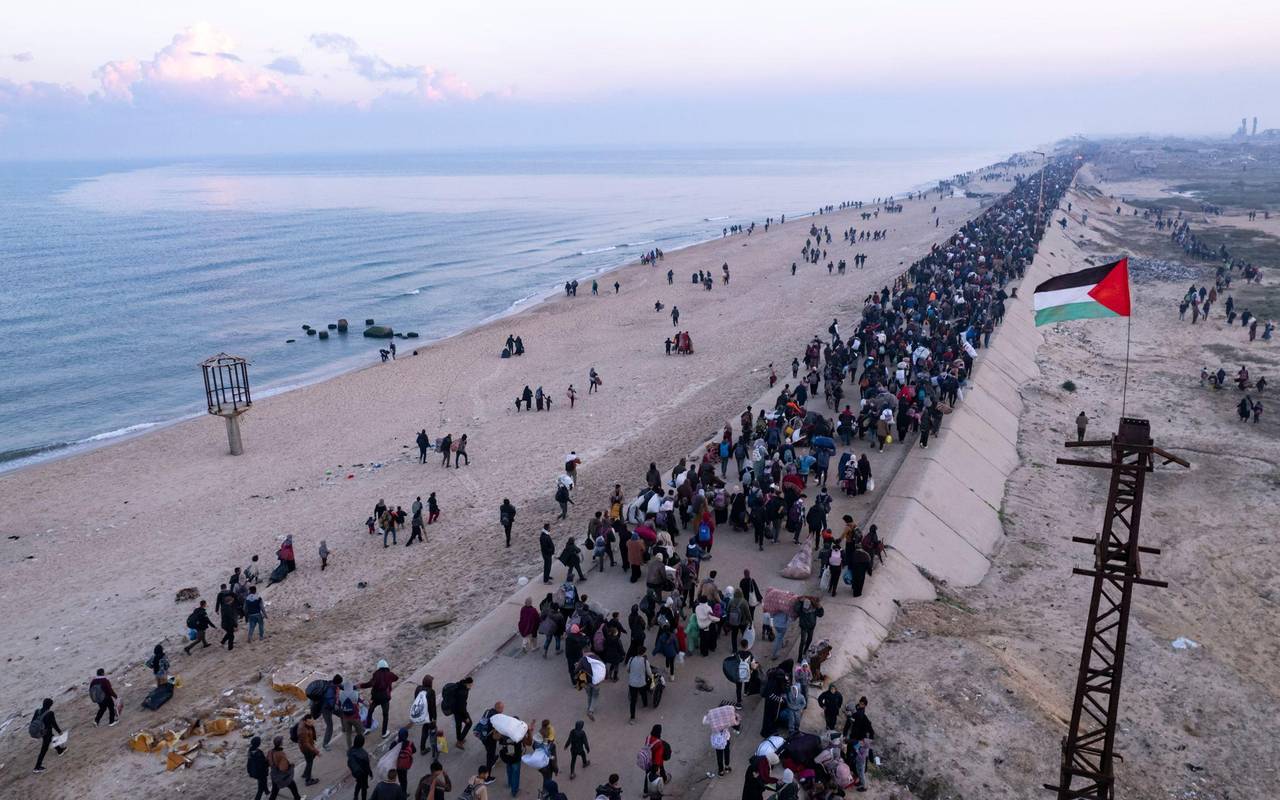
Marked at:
<point>199,65</point>
<point>435,85</point>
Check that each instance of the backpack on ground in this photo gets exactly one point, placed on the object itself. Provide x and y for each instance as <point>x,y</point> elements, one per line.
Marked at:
<point>37,726</point>
<point>448,696</point>
<point>97,694</point>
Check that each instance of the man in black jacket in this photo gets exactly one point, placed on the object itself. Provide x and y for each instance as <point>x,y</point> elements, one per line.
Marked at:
<point>507,516</point>
<point>49,725</point>
<point>258,768</point>
<point>860,733</point>
<point>199,622</point>
<point>547,546</point>
<point>361,768</point>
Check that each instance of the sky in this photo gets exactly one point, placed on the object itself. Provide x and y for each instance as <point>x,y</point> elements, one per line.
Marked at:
<point>137,78</point>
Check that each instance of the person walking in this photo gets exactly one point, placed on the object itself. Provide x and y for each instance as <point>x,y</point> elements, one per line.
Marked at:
<point>563,498</point>
<point>478,785</point>
<point>507,516</point>
<point>424,444</point>
<point>722,721</point>
<point>808,609</point>
<point>859,731</point>
<point>435,784</point>
<point>389,788</point>
<point>404,758</point>
<point>527,626</point>
<point>281,770</point>
<point>101,693</point>
<point>159,665</point>
<point>258,768</point>
<point>381,682</point>
<point>230,619</point>
<point>571,557</point>
<point>446,448</point>
<point>360,767</point>
<point>433,509</point>
<point>255,613</point>
<point>348,706</point>
<point>1082,422</point>
<point>307,746</point>
<point>637,680</point>
<point>199,622</point>
<point>460,452</point>
<point>510,752</point>
<point>578,746</point>
<point>423,712</point>
<point>44,725</point>
<point>455,700</point>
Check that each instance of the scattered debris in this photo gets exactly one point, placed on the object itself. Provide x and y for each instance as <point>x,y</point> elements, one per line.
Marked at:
<point>187,594</point>
<point>1183,643</point>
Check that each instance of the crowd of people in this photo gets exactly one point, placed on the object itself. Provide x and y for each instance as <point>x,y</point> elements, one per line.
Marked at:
<point>907,361</point>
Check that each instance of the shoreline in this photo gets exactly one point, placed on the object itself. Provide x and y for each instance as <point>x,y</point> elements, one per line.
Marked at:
<point>52,452</point>
<point>173,511</point>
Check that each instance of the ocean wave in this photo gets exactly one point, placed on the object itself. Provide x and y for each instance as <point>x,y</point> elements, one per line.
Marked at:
<point>118,432</point>
<point>597,250</point>
<point>411,292</point>
<point>715,219</point>
<point>638,244</point>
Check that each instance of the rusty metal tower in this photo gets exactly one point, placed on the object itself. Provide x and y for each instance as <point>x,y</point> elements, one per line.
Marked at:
<point>1088,748</point>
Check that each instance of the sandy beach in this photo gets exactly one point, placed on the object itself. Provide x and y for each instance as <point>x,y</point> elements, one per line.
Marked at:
<point>108,537</point>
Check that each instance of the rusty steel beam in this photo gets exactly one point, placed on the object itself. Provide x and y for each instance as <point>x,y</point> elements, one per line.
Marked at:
<point>1088,750</point>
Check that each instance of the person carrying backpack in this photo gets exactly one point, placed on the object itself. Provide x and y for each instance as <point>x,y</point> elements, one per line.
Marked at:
<point>478,787</point>
<point>453,703</point>
<point>199,622</point>
<point>257,766</point>
<point>404,758</point>
<point>42,726</point>
<point>281,770</point>
<point>159,665</point>
<point>101,693</point>
<point>434,785</point>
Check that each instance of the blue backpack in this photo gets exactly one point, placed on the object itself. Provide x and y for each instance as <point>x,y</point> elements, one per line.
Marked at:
<point>704,533</point>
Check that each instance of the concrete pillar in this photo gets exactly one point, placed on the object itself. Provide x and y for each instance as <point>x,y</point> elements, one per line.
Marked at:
<point>233,435</point>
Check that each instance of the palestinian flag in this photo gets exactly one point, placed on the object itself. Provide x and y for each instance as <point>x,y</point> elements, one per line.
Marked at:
<point>1095,292</point>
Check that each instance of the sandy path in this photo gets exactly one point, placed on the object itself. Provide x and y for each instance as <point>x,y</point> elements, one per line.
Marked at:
<point>109,536</point>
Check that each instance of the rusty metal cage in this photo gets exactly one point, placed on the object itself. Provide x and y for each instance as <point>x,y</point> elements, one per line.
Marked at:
<point>226,384</point>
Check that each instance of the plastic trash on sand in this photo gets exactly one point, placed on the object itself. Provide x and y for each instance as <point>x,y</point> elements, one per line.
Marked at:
<point>1183,643</point>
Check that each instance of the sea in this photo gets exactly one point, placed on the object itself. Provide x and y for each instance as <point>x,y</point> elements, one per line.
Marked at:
<point>118,278</point>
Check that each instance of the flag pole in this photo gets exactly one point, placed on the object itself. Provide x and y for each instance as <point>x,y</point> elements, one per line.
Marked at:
<point>1124,390</point>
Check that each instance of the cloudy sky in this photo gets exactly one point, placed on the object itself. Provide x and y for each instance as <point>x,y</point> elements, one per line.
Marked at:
<point>135,78</point>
